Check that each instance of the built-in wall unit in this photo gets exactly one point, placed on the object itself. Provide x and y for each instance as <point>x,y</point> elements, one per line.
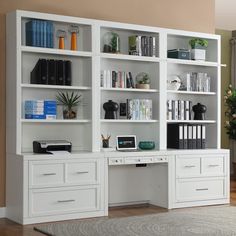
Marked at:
<point>133,80</point>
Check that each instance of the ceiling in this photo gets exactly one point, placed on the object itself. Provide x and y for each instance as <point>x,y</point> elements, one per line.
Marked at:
<point>225,14</point>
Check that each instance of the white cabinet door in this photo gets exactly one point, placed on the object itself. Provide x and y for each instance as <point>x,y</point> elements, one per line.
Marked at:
<point>213,165</point>
<point>199,189</point>
<point>53,201</point>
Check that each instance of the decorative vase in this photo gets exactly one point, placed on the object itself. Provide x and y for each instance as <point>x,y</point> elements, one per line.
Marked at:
<point>143,80</point>
<point>110,108</point>
<point>143,86</point>
<point>111,42</point>
<point>199,111</point>
<point>69,114</point>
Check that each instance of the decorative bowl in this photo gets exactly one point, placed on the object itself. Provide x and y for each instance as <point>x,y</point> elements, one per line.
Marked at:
<point>146,145</point>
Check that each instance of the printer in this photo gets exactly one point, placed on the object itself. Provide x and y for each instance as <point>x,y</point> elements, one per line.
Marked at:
<point>45,146</point>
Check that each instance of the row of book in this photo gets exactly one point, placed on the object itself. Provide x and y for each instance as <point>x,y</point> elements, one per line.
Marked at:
<point>116,79</point>
<point>39,33</point>
<point>142,45</point>
<point>53,72</point>
<point>179,110</point>
<point>185,136</point>
<point>41,109</point>
<point>139,109</point>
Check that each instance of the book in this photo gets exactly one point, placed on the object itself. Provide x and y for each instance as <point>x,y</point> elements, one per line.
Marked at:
<point>68,73</point>
<point>194,139</point>
<point>185,136</point>
<point>203,137</point>
<point>131,80</point>
<point>199,136</point>
<point>190,137</point>
<point>52,72</point>
<point>60,72</point>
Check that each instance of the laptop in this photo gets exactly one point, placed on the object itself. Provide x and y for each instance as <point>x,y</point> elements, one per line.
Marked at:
<point>126,143</point>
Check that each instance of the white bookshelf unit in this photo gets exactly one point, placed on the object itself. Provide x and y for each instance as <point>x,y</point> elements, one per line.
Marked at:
<point>101,175</point>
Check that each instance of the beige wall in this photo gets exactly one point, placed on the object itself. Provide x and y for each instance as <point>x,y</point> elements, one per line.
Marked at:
<point>181,14</point>
<point>225,79</point>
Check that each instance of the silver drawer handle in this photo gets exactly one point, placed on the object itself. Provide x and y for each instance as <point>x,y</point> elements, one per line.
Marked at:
<point>47,174</point>
<point>82,172</point>
<point>189,166</point>
<point>201,189</point>
<point>69,200</point>
<point>213,165</point>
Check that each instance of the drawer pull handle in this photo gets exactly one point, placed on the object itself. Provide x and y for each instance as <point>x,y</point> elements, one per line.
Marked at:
<point>69,200</point>
<point>213,165</point>
<point>82,172</point>
<point>201,189</point>
<point>189,166</point>
<point>47,174</point>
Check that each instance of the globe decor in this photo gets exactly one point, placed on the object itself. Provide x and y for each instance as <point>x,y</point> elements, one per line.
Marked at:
<point>230,101</point>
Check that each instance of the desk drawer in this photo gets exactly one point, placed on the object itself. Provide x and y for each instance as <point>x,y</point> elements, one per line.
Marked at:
<point>46,173</point>
<point>188,166</point>
<point>138,160</point>
<point>82,172</point>
<point>191,190</point>
<point>116,161</point>
<point>43,202</point>
<point>213,165</point>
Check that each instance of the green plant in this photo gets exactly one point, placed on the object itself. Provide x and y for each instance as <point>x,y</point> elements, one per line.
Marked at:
<point>230,102</point>
<point>69,100</point>
<point>143,78</point>
<point>198,42</point>
<point>115,44</point>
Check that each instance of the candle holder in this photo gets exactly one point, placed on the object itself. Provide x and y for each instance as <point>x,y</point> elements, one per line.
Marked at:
<point>74,30</point>
<point>61,35</point>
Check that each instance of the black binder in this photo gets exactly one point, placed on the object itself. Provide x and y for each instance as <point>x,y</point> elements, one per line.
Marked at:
<point>52,72</point>
<point>35,75</point>
<point>185,136</point>
<point>194,140</point>
<point>68,76</point>
<point>199,135</point>
<point>190,137</point>
<point>203,137</point>
<point>175,136</point>
<point>60,72</point>
<point>44,71</point>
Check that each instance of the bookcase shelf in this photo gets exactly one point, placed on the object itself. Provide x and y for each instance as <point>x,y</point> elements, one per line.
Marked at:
<point>127,121</point>
<point>134,90</point>
<point>52,51</point>
<point>55,121</point>
<point>192,121</point>
<point>129,57</point>
<point>57,87</point>
<point>191,62</point>
<point>191,92</point>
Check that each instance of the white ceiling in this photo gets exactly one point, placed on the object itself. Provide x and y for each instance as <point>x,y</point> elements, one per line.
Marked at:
<point>225,14</point>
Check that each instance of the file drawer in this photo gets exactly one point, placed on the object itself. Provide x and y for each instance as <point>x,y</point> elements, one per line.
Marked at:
<point>205,189</point>
<point>213,165</point>
<point>116,161</point>
<point>138,160</point>
<point>45,174</point>
<point>82,172</point>
<point>188,166</point>
<point>43,202</point>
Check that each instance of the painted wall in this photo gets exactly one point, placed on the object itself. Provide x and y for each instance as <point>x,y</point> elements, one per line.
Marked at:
<point>225,79</point>
<point>182,14</point>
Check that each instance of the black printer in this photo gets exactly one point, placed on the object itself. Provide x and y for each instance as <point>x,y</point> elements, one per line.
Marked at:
<point>46,146</point>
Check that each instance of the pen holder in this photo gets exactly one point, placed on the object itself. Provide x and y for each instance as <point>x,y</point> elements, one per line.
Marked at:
<point>105,143</point>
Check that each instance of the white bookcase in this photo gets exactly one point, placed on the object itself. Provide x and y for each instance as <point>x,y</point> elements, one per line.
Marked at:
<point>85,131</point>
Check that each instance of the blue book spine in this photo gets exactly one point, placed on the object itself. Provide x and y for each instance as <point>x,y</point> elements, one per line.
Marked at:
<point>41,34</point>
<point>38,39</point>
<point>51,35</point>
<point>48,27</point>
<point>45,34</point>
<point>31,33</point>
<point>38,117</point>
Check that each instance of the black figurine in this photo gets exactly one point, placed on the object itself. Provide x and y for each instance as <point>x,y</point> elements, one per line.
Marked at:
<point>199,111</point>
<point>110,108</point>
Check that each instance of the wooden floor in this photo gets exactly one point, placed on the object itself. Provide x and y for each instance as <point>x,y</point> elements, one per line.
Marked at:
<point>9,228</point>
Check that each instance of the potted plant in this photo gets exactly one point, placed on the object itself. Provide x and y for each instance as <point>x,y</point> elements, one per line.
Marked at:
<point>70,101</point>
<point>111,42</point>
<point>230,113</point>
<point>198,48</point>
<point>143,81</point>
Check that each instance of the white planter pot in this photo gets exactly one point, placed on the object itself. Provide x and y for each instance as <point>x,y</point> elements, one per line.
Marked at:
<point>198,54</point>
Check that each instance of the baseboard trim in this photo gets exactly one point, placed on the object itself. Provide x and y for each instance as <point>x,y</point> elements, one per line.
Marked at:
<point>2,212</point>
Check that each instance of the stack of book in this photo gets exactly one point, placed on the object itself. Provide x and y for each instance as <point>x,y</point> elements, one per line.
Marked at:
<point>184,136</point>
<point>179,110</point>
<point>116,79</point>
<point>39,33</point>
<point>53,72</point>
<point>142,45</point>
<point>41,109</point>
<point>139,109</point>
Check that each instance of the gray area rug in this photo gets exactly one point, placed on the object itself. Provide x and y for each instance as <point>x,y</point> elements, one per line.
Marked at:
<point>207,221</point>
